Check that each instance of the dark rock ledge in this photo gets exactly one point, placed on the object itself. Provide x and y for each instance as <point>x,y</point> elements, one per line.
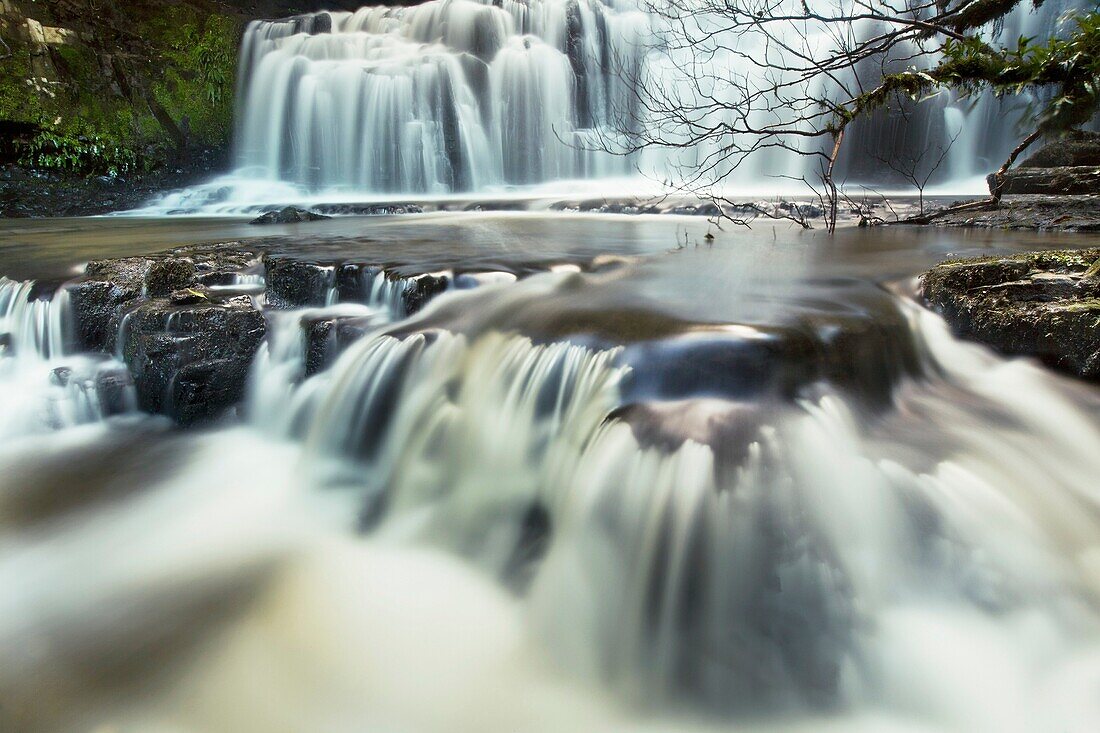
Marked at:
<point>1040,304</point>
<point>188,322</point>
<point>187,346</point>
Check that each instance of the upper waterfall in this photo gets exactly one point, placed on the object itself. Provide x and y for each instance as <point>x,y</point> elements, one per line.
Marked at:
<point>481,96</point>
<point>450,95</point>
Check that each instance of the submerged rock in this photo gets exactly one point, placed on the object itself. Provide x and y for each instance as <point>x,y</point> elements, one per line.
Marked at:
<point>1041,304</point>
<point>288,215</point>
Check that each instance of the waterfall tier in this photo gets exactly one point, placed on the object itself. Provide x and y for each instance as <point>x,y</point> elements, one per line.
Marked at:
<point>450,95</point>
<point>474,95</point>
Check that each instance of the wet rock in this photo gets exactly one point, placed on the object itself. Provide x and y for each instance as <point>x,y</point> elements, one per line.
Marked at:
<point>114,390</point>
<point>169,274</point>
<point>421,289</point>
<point>1047,213</point>
<point>100,299</point>
<point>60,376</point>
<point>294,283</point>
<point>1079,147</point>
<point>370,209</point>
<point>288,215</point>
<point>191,362</point>
<point>1042,304</point>
<point>1071,180</point>
<point>353,282</point>
<point>327,338</point>
<point>319,344</point>
<point>189,296</point>
<point>109,288</point>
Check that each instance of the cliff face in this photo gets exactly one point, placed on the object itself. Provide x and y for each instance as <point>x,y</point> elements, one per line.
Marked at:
<point>106,87</point>
<point>112,88</point>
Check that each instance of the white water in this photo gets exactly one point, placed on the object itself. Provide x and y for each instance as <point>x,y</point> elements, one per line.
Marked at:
<point>445,96</point>
<point>928,571</point>
<point>42,387</point>
<point>476,96</point>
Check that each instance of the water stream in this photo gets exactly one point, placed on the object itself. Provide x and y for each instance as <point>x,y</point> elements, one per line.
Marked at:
<point>622,473</point>
<point>623,500</point>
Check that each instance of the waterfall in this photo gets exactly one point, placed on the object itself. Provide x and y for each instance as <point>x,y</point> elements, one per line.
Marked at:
<point>763,570</point>
<point>474,95</point>
<point>42,385</point>
<point>450,95</point>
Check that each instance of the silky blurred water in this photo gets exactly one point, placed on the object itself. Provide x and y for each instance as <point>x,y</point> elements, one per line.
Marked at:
<point>609,500</point>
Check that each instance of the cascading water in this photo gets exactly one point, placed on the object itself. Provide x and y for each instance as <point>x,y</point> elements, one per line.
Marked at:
<point>567,501</point>
<point>472,95</point>
<point>776,576</point>
<point>43,386</point>
<point>446,96</point>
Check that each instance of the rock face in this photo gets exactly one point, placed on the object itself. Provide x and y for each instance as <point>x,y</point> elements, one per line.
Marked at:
<point>1079,147</point>
<point>111,287</point>
<point>190,361</point>
<point>187,349</point>
<point>1065,180</point>
<point>187,329</point>
<point>1067,166</point>
<point>1043,304</point>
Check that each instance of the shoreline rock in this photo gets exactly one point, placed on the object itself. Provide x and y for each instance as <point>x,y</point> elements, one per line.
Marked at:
<point>1061,213</point>
<point>1044,305</point>
<point>288,215</point>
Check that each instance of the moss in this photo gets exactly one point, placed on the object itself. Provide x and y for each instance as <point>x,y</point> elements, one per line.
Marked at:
<point>1078,306</point>
<point>188,66</point>
<point>197,85</point>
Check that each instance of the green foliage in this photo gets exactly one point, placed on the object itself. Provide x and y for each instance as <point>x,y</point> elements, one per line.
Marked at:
<point>1068,66</point>
<point>186,60</point>
<point>1066,69</point>
<point>78,155</point>
<point>200,54</point>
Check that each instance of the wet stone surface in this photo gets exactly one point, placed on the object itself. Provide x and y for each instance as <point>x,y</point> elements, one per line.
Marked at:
<point>1043,304</point>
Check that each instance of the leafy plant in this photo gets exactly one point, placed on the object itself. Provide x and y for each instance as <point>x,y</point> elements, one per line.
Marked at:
<point>78,155</point>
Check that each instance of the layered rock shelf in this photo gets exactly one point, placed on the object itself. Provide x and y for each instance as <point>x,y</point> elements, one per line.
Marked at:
<point>1044,305</point>
<point>187,323</point>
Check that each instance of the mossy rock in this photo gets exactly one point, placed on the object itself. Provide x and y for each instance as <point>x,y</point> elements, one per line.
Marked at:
<point>1044,305</point>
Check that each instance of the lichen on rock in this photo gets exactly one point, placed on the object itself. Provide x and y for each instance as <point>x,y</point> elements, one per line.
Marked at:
<point>1044,305</point>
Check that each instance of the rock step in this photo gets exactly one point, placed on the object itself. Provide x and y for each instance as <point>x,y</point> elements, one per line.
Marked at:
<point>1044,305</point>
<point>1060,181</point>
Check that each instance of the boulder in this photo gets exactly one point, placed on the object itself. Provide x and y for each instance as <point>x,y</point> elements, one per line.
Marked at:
<point>1079,147</point>
<point>190,361</point>
<point>288,215</point>
<point>1072,180</point>
<point>1044,305</point>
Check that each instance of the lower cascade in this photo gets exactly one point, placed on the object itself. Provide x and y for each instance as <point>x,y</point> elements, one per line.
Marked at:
<point>44,385</point>
<point>571,492</point>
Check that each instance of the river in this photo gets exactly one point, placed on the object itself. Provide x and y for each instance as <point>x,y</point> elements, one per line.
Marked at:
<point>746,483</point>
